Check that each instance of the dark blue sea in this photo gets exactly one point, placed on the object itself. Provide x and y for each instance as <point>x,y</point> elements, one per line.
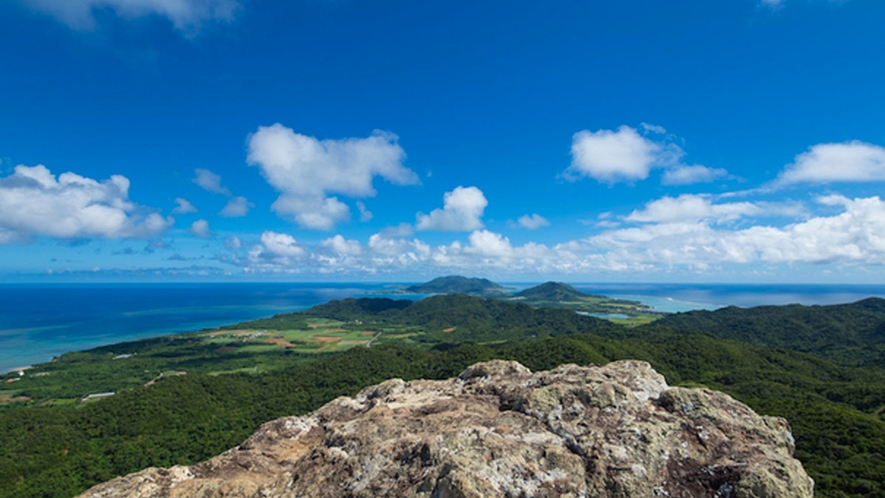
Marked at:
<point>38,322</point>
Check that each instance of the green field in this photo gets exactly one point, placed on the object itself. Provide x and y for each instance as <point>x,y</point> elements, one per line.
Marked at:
<point>74,376</point>
<point>280,341</point>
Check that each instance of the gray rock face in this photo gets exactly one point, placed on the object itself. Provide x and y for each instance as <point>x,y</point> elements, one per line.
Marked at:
<point>500,430</point>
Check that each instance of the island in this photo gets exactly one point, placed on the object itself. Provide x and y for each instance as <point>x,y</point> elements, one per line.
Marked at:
<point>560,295</point>
<point>546,295</point>
<point>453,284</point>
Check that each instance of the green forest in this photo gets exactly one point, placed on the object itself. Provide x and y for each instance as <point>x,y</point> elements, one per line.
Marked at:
<point>814,366</point>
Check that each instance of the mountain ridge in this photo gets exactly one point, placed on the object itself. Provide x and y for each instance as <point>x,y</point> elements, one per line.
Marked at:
<point>851,334</point>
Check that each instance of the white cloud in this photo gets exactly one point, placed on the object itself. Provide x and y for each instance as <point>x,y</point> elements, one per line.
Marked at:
<point>533,221</point>
<point>857,235</point>
<point>282,244</point>
<point>184,206</point>
<point>837,162</point>
<point>692,241</point>
<point>688,233</point>
<point>306,171</point>
<point>650,128</point>
<point>365,214</point>
<point>236,207</point>
<point>606,224</point>
<point>462,210</point>
<point>185,15</point>
<point>691,207</point>
<point>614,156</point>
<point>489,249</point>
<point>34,203</point>
<point>200,228</point>
<point>687,175</point>
<point>155,245</point>
<point>210,181</point>
<point>277,252</point>
<point>233,243</point>
<point>341,246</point>
<point>486,243</point>
<point>386,245</point>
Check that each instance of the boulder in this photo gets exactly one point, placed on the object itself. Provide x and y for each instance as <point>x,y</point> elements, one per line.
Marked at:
<point>500,430</point>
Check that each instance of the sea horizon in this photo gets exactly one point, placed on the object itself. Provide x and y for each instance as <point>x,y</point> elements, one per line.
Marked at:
<point>41,320</point>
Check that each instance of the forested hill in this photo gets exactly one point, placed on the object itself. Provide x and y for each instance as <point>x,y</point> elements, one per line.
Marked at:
<point>848,334</point>
<point>456,284</point>
<point>553,291</point>
<point>465,318</point>
<point>58,451</point>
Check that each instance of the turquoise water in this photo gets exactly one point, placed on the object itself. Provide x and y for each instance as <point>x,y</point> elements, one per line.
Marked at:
<point>673,298</point>
<point>38,322</point>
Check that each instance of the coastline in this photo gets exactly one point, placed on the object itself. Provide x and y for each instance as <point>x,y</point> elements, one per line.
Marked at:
<point>93,318</point>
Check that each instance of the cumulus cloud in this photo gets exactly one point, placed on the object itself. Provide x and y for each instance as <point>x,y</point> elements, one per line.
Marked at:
<point>184,206</point>
<point>691,207</point>
<point>533,221</point>
<point>486,243</point>
<point>401,230</point>
<point>853,161</point>
<point>692,239</point>
<point>484,249</point>
<point>365,214</point>
<point>853,236</point>
<point>307,171</point>
<point>387,247</point>
<point>236,207</point>
<point>339,245</point>
<point>687,175</point>
<point>461,211</point>
<point>277,251</point>
<point>33,202</point>
<point>155,245</point>
<point>487,249</point>
<point>282,244</point>
<point>210,181</point>
<point>621,155</point>
<point>650,128</point>
<point>185,15</point>
<point>200,228</point>
<point>233,243</point>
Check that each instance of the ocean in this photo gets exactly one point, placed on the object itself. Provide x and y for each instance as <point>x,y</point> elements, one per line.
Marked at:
<point>38,322</point>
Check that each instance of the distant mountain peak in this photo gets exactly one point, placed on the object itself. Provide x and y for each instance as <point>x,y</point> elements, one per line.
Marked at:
<point>552,291</point>
<point>456,284</point>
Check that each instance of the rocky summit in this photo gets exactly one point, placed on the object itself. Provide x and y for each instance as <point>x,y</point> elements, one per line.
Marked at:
<point>500,430</point>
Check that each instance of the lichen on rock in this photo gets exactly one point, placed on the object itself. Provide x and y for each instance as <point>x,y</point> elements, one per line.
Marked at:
<point>500,430</point>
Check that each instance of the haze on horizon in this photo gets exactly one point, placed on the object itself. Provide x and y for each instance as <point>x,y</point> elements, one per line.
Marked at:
<point>390,140</point>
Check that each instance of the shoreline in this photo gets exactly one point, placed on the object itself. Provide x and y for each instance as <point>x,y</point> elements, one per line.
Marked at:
<point>25,339</point>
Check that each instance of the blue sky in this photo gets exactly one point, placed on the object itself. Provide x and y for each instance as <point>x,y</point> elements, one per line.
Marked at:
<point>639,140</point>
